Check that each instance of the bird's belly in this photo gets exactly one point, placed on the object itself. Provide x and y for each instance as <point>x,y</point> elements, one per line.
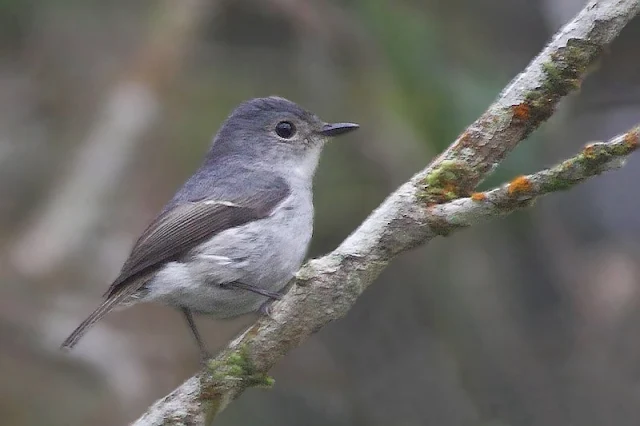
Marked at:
<point>264,254</point>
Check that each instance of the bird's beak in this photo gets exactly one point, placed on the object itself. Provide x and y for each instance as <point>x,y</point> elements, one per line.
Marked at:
<point>335,129</point>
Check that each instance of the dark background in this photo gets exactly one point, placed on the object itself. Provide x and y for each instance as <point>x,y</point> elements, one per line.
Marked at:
<point>106,107</point>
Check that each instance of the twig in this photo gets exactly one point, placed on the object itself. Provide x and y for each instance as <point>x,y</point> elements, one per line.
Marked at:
<point>326,288</point>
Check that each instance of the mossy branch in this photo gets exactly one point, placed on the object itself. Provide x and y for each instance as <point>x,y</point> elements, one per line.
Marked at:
<point>522,191</point>
<point>531,97</point>
<point>326,288</point>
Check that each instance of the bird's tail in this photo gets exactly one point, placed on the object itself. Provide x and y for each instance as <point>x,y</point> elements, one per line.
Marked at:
<point>105,307</point>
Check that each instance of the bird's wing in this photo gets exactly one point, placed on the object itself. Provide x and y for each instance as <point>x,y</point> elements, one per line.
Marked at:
<point>185,225</point>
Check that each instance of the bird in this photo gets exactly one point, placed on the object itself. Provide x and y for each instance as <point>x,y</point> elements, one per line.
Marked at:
<point>235,233</point>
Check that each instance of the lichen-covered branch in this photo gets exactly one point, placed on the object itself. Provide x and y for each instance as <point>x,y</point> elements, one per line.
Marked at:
<point>326,288</point>
<point>533,95</point>
<point>522,191</point>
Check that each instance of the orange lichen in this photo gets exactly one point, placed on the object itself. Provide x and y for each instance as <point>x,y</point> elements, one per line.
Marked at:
<point>589,151</point>
<point>521,111</point>
<point>464,138</point>
<point>450,187</point>
<point>519,185</point>
<point>478,196</point>
<point>631,139</point>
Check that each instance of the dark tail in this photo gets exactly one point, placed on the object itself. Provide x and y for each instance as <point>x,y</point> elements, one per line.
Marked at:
<point>102,310</point>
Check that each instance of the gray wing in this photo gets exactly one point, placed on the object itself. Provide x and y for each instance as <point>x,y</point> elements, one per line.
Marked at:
<point>185,225</point>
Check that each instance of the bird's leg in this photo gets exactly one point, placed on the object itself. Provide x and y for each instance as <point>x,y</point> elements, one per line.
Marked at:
<point>204,353</point>
<point>236,284</point>
<point>265,308</point>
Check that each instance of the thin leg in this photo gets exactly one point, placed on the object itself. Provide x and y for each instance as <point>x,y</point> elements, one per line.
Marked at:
<point>258,290</point>
<point>266,308</point>
<point>204,353</point>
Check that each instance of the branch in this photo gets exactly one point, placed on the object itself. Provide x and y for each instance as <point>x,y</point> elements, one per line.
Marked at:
<point>522,191</point>
<point>326,288</point>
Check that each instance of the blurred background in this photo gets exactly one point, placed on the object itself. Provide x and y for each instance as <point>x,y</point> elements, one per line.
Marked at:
<point>106,107</point>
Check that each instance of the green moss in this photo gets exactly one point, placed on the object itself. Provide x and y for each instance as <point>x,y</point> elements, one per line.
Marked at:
<point>553,75</point>
<point>562,75</point>
<point>558,183</point>
<point>594,156</point>
<point>446,172</point>
<point>237,366</point>
<point>590,161</point>
<point>235,370</point>
<point>450,180</point>
<point>235,358</point>
<point>568,66</point>
<point>626,148</point>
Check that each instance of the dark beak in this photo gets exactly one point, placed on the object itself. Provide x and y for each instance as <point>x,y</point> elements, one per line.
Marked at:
<point>335,129</point>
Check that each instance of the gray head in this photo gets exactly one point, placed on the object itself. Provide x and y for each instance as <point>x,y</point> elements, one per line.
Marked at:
<point>274,133</point>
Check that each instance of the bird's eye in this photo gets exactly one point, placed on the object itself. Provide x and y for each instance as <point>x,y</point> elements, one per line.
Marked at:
<point>285,129</point>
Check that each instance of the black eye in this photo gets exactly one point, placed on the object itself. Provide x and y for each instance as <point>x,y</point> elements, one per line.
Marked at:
<point>285,129</point>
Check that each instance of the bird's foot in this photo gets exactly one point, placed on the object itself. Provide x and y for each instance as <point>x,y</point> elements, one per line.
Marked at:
<point>266,308</point>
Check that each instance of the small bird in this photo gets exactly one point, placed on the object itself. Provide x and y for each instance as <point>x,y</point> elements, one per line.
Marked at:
<point>237,231</point>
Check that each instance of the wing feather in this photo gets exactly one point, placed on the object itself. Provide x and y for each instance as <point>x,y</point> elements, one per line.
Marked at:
<point>184,226</point>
